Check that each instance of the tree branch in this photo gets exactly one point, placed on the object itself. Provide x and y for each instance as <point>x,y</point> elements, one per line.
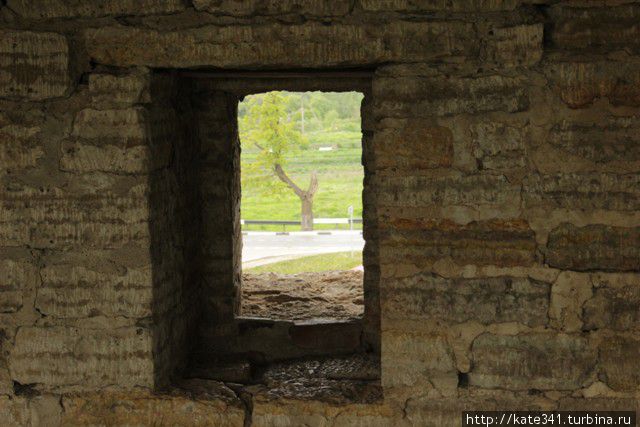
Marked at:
<point>284,178</point>
<point>313,185</point>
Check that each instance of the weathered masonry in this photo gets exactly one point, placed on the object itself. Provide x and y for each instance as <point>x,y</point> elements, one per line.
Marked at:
<point>502,209</point>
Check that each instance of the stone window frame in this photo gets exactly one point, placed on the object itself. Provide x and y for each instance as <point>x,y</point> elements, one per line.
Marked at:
<point>213,329</point>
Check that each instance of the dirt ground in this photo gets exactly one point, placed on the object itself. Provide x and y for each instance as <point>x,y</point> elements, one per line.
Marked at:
<point>333,295</point>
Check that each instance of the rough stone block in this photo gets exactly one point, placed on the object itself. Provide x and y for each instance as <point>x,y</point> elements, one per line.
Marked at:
<point>70,291</point>
<point>568,295</point>
<point>15,277</point>
<point>604,27</point>
<point>416,6</point>
<point>614,305</point>
<point>14,411</point>
<point>537,361</point>
<point>503,243</point>
<point>114,141</point>
<point>580,83</point>
<point>594,247</point>
<point>213,405</point>
<point>120,89</point>
<point>49,217</point>
<point>20,147</point>
<point>598,404</point>
<point>587,191</point>
<point>619,361</point>
<point>276,45</point>
<point>6,384</point>
<point>414,146</point>
<point>487,300</point>
<point>514,46</point>
<point>499,145</point>
<point>470,190</point>
<point>607,140</point>
<point>438,412</point>
<point>33,65</point>
<point>268,413</point>
<point>416,95</point>
<point>414,356</point>
<point>279,7</point>
<point>82,359</point>
<point>48,9</point>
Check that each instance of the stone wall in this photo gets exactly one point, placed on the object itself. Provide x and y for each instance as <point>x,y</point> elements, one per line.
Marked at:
<point>502,190</point>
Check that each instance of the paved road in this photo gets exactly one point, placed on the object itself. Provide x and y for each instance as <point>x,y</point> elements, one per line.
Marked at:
<point>260,248</point>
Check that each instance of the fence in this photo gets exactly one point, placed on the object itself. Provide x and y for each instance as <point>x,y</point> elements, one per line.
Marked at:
<point>319,221</point>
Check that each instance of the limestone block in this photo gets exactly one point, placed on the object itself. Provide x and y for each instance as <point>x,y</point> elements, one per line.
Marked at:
<point>50,217</point>
<point>619,361</point>
<point>615,303</point>
<point>597,27</point>
<point>540,361</point>
<point>488,300</point>
<point>120,89</point>
<point>594,247</point>
<point>274,7</point>
<point>503,243</point>
<point>437,412</point>
<point>499,145</point>
<point>514,46</point>
<point>82,358</point>
<point>15,277</point>
<point>268,413</point>
<point>598,404</point>
<point>580,83</point>
<point>278,45</point>
<point>48,9</point>
<point>20,147</point>
<point>71,291</point>
<point>6,384</point>
<point>588,191</point>
<point>425,96</point>
<point>568,294</point>
<point>414,356</point>
<point>415,6</point>
<point>216,406</point>
<point>609,140</point>
<point>19,411</point>
<point>113,141</point>
<point>33,65</point>
<point>14,411</point>
<point>469,190</point>
<point>414,146</point>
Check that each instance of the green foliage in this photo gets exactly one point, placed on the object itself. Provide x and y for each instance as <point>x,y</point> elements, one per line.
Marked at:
<point>267,126</point>
<point>339,171</point>
<point>316,263</point>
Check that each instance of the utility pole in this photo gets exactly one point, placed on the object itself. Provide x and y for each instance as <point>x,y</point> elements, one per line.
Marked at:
<point>302,113</point>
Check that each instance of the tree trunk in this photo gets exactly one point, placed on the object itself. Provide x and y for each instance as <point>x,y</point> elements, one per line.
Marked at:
<point>307,213</point>
<point>306,197</point>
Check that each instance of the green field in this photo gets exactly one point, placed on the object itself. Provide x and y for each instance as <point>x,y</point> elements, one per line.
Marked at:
<point>340,176</point>
<point>312,264</point>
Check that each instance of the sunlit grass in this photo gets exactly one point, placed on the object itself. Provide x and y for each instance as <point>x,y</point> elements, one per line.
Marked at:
<point>315,263</point>
<point>340,176</point>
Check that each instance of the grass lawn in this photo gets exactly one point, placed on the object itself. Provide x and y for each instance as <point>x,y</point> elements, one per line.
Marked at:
<point>315,263</point>
<point>340,176</point>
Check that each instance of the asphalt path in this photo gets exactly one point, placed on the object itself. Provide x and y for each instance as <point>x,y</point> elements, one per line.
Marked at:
<point>259,248</point>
